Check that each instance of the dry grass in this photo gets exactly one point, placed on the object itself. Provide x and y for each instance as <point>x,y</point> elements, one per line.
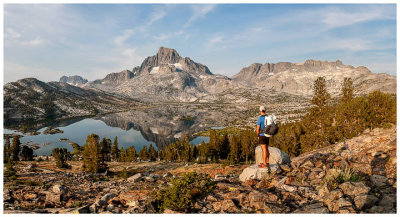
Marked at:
<point>160,167</point>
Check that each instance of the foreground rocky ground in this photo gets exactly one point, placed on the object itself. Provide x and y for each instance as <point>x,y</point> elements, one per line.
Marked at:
<point>301,187</point>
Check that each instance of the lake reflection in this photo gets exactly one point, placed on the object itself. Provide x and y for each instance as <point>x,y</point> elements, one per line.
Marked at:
<point>159,127</point>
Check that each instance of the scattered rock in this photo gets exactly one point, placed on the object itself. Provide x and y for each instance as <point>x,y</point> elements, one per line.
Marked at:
<point>52,197</point>
<point>58,189</point>
<point>167,175</point>
<point>335,205</point>
<point>250,182</point>
<point>149,179</point>
<point>262,184</point>
<point>388,201</point>
<point>220,177</point>
<point>354,188</point>
<point>378,180</point>
<point>255,172</point>
<point>285,167</point>
<point>288,188</point>
<point>276,156</point>
<point>211,198</point>
<point>331,196</point>
<point>323,190</point>
<point>170,211</point>
<point>365,201</point>
<point>346,210</point>
<point>281,182</point>
<point>135,178</point>
<point>83,209</point>
<point>378,209</point>
<point>308,164</point>
<point>103,200</point>
<point>30,196</point>
<point>313,208</point>
<point>225,206</point>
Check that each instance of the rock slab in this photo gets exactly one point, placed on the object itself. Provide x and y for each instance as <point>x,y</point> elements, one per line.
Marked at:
<point>255,172</point>
<point>276,156</point>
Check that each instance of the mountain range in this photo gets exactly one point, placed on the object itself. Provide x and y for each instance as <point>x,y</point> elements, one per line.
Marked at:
<point>168,77</point>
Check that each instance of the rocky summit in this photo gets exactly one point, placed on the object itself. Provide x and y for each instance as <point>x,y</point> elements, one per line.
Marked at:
<point>73,80</point>
<point>298,78</point>
<point>165,76</point>
<point>354,176</point>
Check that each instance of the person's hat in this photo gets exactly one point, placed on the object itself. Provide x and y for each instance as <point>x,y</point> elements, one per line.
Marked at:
<point>262,108</point>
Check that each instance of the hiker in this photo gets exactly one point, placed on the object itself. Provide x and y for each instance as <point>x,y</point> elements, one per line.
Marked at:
<point>263,139</point>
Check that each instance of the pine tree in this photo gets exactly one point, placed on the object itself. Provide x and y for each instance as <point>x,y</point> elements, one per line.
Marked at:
<point>15,148</point>
<point>235,150</point>
<point>161,154</point>
<point>381,109</point>
<point>152,153</point>
<point>61,155</point>
<point>224,146</point>
<point>92,161</point>
<point>77,153</point>
<point>347,90</point>
<point>105,150</point>
<point>131,154</point>
<point>213,147</point>
<point>115,151</point>
<point>26,153</point>
<point>122,156</point>
<point>248,148</point>
<point>6,155</point>
<point>321,95</point>
<point>169,152</point>
<point>143,153</point>
<point>203,152</point>
<point>185,151</point>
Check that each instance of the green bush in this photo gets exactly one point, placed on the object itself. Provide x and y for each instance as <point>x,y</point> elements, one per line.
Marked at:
<point>29,182</point>
<point>10,171</point>
<point>124,174</point>
<point>77,204</point>
<point>184,192</point>
<point>339,176</point>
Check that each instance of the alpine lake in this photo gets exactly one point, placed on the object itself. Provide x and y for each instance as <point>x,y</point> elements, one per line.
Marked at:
<point>157,126</point>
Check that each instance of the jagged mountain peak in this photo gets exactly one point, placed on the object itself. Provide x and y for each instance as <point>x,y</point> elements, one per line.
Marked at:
<point>168,55</point>
<point>73,80</point>
<point>171,58</point>
<point>118,77</point>
<point>298,78</point>
<point>163,56</point>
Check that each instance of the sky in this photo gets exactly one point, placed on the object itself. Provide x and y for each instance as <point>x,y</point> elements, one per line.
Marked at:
<point>47,41</point>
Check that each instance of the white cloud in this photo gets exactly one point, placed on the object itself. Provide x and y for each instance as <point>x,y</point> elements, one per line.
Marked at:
<point>10,33</point>
<point>213,41</point>
<point>198,13</point>
<point>259,29</point>
<point>120,39</point>
<point>216,39</point>
<point>350,44</point>
<point>337,17</point>
<point>33,42</point>
<point>156,15</point>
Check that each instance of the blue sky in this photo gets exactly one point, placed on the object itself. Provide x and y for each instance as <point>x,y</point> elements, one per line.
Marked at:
<point>47,41</point>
